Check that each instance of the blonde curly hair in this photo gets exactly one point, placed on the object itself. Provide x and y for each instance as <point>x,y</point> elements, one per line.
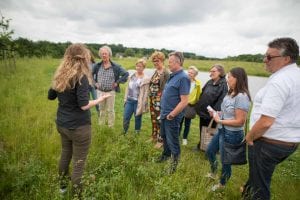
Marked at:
<point>158,55</point>
<point>142,61</point>
<point>74,66</point>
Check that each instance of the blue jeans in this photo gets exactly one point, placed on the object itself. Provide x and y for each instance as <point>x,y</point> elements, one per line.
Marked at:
<point>217,144</point>
<point>129,109</point>
<point>263,158</point>
<point>94,96</point>
<point>187,125</point>
<point>169,130</point>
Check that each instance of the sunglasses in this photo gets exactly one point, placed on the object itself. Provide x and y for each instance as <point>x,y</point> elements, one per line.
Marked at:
<point>268,57</point>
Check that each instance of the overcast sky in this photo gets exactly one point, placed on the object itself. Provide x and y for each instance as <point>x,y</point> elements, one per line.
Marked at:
<point>212,28</point>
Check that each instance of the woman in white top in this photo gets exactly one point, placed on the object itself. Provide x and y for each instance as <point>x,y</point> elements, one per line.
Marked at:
<point>136,97</point>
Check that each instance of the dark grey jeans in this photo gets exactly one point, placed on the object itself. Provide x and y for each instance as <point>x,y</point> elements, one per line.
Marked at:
<point>75,144</point>
<point>263,158</point>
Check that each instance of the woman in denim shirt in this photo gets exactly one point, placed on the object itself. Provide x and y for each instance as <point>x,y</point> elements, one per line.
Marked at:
<point>231,121</point>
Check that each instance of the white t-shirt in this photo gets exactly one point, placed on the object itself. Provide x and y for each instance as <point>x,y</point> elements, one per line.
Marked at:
<point>280,99</point>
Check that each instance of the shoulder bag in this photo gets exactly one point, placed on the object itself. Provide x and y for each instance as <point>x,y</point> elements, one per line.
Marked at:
<point>189,112</point>
<point>207,132</point>
<point>235,154</point>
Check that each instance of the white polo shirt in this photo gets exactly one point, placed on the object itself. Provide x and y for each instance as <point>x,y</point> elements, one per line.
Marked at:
<point>280,98</point>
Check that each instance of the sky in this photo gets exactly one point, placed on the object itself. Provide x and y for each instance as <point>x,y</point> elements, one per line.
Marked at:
<point>211,28</point>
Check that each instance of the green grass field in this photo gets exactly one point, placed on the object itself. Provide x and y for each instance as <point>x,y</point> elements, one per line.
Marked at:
<point>118,167</point>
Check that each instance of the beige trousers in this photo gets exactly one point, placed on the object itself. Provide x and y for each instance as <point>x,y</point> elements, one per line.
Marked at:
<point>107,109</point>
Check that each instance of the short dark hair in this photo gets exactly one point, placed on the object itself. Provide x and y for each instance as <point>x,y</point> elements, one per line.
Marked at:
<point>287,46</point>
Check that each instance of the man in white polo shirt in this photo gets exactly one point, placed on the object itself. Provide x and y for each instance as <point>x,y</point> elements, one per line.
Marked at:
<point>275,119</point>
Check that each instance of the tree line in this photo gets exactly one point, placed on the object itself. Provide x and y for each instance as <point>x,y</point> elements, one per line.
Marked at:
<point>27,48</point>
<point>24,47</point>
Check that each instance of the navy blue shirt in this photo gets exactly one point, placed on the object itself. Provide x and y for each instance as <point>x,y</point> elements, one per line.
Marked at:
<point>177,85</point>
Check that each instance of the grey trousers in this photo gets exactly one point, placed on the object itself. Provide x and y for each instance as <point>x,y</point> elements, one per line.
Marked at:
<point>75,144</point>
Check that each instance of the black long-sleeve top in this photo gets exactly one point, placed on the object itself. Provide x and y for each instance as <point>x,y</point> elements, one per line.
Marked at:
<point>213,95</point>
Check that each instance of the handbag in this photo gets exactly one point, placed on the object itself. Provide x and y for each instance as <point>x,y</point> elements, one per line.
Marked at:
<point>207,132</point>
<point>235,154</point>
<point>189,112</point>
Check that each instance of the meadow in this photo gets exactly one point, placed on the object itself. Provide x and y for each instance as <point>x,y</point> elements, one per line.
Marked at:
<point>118,167</point>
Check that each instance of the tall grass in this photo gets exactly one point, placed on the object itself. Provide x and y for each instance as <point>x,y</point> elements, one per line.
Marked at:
<point>118,167</point>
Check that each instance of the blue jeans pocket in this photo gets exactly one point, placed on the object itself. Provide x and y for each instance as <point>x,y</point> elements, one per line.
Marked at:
<point>233,137</point>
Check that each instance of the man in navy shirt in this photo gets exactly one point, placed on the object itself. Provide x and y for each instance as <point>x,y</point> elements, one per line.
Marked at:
<point>173,101</point>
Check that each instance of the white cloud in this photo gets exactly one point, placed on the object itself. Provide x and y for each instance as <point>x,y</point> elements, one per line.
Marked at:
<point>211,28</point>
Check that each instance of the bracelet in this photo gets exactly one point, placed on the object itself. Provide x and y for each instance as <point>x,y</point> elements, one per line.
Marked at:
<point>220,121</point>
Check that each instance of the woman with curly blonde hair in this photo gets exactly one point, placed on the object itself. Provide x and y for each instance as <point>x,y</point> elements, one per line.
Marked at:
<point>157,84</point>
<point>71,86</point>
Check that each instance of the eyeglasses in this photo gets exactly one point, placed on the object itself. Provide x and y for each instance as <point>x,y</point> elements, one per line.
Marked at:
<point>213,71</point>
<point>268,57</point>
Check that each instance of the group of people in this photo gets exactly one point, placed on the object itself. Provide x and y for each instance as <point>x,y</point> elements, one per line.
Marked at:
<point>274,120</point>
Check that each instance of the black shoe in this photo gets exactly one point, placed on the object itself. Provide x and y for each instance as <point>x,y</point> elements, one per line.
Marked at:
<point>173,166</point>
<point>162,159</point>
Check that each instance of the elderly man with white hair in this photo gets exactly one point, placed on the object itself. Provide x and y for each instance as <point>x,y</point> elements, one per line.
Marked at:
<point>108,75</point>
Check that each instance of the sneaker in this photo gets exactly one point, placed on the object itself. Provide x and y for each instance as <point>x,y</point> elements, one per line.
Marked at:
<point>184,142</point>
<point>63,190</point>
<point>137,131</point>
<point>173,166</point>
<point>217,187</point>
<point>211,176</point>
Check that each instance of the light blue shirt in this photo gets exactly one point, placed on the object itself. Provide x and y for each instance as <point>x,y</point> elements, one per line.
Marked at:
<point>230,104</point>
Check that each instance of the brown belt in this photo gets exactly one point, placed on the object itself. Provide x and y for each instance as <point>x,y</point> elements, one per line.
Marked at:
<point>105,90</point>
<point>278,142</point>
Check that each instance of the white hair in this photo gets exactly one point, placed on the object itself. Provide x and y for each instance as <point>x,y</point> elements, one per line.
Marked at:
<point>107,48</point>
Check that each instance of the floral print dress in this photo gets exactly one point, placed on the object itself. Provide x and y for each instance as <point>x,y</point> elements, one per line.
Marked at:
<point>155,96</point>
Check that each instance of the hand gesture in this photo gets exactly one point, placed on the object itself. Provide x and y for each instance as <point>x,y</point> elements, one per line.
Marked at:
<point>105,95</point>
